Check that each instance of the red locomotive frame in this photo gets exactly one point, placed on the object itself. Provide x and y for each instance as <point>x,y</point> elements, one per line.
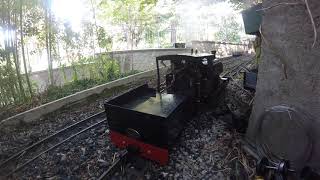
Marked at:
<point>148,151</point>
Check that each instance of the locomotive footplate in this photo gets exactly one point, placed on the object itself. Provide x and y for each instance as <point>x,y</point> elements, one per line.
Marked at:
<point>146,120</point>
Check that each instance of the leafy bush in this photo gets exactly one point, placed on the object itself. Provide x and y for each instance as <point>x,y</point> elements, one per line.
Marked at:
<point>57,92</point>
<point>102,69</point>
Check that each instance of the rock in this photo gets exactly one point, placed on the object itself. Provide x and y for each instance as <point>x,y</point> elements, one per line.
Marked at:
<point>164,174</point>
<point>217,111</point>
<point>148,176</point>
<point>52,178</point>
<point>101,130</point>
<point>89,141</point>
<point>210,163</point>
<point>103,163</point>
<point>176,176</point>
<point>102,142</point>
<point>199,159</point>
<point>214,177</point>
<point>227,118</point>
<point>178,166</point>
<point>203,172</point>
<point>237,114</point>
<point>63,157</point>
<point>83,151</point>
<point>76,168</point>
<point>185,153</point>
<point>220,175</point>
<point>92,146</point>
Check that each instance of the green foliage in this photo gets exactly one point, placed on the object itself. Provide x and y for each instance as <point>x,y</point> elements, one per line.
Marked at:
<point>228,30</point>
<point>12,84</point>
<point>103,68</point>
<point>57,92</point>
<point>43,32</point>
<point>135,16</point>
<point>32,21</point>
<point>104,41</point>
<point>83,49</point>
<point>244,4</point>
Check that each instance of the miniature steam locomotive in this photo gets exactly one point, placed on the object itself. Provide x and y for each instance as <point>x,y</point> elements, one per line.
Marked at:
<point>150,120</point>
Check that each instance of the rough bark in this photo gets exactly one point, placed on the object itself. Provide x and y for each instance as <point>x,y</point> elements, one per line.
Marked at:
<point>289,75</point>
<point>48,39</point>
<point>23,52</point>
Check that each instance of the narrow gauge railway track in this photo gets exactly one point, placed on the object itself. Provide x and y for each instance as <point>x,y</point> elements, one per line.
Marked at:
<point>127,166</point>
<point>231,64</point>
<point>233,70</point>
<point>227,61</point>
<point>24,157</point>
<point>115,166</point>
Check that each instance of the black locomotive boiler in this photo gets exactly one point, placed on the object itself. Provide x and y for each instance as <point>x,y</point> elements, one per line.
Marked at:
<point>150,120</point>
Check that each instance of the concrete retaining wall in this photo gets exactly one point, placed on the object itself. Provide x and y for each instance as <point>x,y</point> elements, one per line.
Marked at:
<point>140,60</point>
<point>223,49</point>
<point>40,78</point>
<point>36,113</point>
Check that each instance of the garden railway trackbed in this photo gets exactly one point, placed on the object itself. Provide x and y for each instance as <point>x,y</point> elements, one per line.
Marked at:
<point>59,147</point>
<point>31,153</point>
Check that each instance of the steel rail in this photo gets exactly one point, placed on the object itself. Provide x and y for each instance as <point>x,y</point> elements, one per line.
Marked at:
<point>116,165</point>
<point>48,138</point>
<point>55,146</point>
<point>234,70</point>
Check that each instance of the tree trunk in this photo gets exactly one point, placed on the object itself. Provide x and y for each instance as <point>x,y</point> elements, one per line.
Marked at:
<point>174,33</point>
<point>95,21</point>
<point>9,71</point>
<point>93,46</point>
<point>23,53</point>
<point>50,42</point>
<point>28,59</point>
<point>14,50</point>
<point>17,65</point>
<point>48,39</point>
